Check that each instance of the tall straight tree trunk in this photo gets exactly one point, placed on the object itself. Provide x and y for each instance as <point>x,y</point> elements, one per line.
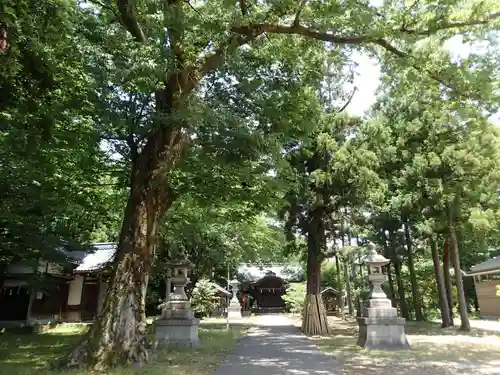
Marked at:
<point>443,298</point>
<point>397,271</point>
<point>389,255</point>
<point>390,279</point>
<point>340,297</point>
<point>417,305</point>
<point>462,302</point>
<point>401,290</point>
<point>447,278</point>
<point>314,321</point>
<point>347,277</point>
<point>348,289</point>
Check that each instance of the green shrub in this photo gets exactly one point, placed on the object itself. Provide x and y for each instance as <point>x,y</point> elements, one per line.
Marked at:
<point>294,297</point>
<point>204,297</point>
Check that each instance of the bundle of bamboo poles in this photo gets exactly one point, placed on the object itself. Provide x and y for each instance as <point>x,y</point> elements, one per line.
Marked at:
<point>314,318</point>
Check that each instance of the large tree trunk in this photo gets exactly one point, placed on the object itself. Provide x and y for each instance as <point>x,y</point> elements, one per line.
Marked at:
<point>447,278</point>
<point>417,305</point>
<point>119,333</point>
<point>443,298</point>
<point>314,320</point>
<point>462,302</point>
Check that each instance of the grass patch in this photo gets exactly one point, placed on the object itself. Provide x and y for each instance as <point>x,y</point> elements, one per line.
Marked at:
<point>435,351</point>
<point>29,354</point>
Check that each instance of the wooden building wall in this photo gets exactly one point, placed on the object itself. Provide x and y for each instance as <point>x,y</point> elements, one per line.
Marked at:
<point>489,303</point>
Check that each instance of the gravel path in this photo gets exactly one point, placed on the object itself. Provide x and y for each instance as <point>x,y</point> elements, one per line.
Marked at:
<point>276,347</point>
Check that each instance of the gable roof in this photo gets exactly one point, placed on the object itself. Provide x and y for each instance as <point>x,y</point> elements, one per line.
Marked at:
<point>221,289</point>
<point>330,289</point>
<point>487,266</point>
<point>102,255</point>
<point>286,272</point>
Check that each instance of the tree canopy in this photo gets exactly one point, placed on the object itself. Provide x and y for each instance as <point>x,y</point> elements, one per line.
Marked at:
<point>193,122</point>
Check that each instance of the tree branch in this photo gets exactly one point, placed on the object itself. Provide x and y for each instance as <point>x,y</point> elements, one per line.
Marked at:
<point>451,25</point>
<point>384,44</point>
<point>128,18</point>
<point>296,21</point>
<point>174,23</point>
<point>298,30</point>
<point>333,38</point>
<point>107,6</point>
<point>348,100</point>
<point>244,7</point>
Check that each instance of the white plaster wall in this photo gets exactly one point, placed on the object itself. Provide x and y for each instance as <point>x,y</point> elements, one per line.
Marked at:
<point>75,291</point>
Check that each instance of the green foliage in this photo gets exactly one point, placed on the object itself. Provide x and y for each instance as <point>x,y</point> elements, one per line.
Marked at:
<point>204,298</point>
<point>294,297</point>
<point>55,181</point>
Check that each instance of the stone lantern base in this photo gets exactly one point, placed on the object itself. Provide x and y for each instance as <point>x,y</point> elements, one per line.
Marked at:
<point>380,327</point>
<point>177,332</point>
<point>234,310</point>
<point>177,326</point>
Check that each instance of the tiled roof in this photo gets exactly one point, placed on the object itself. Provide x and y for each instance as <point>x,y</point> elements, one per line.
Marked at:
<point>221,289</point>
<point>329,288</point>
<point>488,265</point>
<point>254,273</point>
<point>102,254</point>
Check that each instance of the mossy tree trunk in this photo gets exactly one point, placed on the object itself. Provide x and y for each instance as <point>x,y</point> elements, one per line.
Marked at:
<point>118,335</point>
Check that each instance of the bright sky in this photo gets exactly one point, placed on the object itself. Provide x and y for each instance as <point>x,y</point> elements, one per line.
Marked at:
<point>368,77</point>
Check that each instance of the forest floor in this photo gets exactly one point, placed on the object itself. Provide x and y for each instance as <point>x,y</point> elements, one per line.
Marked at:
<point>29,354</point>
<point>435,351</point>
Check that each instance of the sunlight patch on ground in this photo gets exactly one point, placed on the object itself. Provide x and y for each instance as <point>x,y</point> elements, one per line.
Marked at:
<point>435,351</point>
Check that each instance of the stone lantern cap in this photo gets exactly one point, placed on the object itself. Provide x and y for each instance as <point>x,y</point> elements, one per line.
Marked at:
<point>234,282</point>
<point>375,259</point>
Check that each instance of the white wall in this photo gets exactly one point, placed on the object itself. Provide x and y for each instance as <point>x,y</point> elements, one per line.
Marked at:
<point>75,291</point>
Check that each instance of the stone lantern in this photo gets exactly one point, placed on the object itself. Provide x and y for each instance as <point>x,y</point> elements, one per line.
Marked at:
<point>177,325</point>
<point>379,326</point>
<point>234,309</point>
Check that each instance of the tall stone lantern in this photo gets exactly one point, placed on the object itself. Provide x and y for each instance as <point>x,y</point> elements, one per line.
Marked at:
<point>234,309</point>
<point>177,325</point>
<point>379,326</point>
